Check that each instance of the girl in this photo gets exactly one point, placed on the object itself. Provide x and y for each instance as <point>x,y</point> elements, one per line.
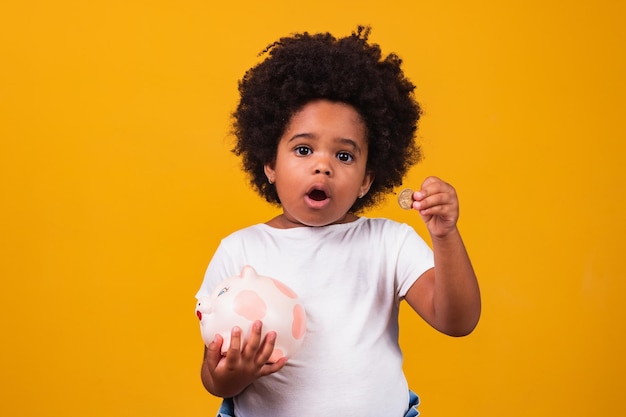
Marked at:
<point>326,128</point>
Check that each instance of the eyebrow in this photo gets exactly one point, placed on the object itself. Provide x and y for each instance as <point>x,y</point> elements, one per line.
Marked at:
<point>346,141</point>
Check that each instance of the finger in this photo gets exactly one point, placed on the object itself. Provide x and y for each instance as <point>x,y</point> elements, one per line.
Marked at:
<point>438,210</point>
<point>267,347</point>
<point>429,183</point>
<point>425,192</point>
<point>435,194</point>
<point>233,354</point>
<point>235,341</point>
<point>254,340</point>
<point>270,368</point>
<point>431,186</point>
<point>213,352</point>
<point>435,200</point>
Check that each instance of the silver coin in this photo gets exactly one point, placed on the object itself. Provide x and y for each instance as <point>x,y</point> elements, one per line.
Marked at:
<point>405,198</point>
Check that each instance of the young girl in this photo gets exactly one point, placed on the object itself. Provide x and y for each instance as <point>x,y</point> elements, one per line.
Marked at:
<point>325,128</point>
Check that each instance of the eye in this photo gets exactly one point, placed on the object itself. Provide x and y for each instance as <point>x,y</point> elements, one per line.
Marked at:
<point>303,150</point>
<point>345,156</point>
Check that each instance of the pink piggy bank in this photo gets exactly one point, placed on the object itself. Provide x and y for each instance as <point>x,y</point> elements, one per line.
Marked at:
<point>241,300</point>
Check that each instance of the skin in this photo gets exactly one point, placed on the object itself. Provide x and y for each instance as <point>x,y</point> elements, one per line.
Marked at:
<point>446,296</point>
<point>324,147</point>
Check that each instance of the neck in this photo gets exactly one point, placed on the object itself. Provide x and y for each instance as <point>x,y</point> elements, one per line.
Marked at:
<point>284,222</point>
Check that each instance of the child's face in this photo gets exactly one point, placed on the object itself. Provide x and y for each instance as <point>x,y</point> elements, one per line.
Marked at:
<point>320,166</point>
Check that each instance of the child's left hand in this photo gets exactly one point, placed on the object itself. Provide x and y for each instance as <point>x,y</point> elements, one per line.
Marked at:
<point>438,205</point>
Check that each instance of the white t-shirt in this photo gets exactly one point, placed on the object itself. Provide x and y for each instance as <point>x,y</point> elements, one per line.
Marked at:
<point>350,278</point>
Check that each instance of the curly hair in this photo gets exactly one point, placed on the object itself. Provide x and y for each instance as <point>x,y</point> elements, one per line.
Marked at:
<point>306,67</point>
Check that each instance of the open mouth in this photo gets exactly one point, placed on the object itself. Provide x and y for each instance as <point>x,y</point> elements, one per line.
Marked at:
<point>317,195</point>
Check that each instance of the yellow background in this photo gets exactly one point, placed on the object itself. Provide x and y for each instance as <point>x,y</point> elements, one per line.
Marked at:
<point>117,184</point>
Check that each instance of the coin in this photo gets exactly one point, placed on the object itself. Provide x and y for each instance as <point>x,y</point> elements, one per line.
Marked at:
<point>405,198</point>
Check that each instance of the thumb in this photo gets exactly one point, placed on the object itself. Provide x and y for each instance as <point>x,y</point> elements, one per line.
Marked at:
<point>213,352</point>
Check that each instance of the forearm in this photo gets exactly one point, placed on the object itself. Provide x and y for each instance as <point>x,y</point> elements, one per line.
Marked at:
<point>456,296</point>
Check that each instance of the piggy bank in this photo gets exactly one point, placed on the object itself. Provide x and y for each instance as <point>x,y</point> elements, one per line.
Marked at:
<point>243,299</point>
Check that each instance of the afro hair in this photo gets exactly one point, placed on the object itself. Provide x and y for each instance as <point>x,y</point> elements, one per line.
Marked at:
<point>305,67</point>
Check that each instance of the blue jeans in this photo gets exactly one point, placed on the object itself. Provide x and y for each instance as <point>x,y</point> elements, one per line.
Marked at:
<point>228,407</point>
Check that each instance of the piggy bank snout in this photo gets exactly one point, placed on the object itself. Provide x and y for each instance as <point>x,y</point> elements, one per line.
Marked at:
<point>203,307</point>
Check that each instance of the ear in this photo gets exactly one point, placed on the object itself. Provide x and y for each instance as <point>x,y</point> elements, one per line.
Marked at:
<point>368,179</point>
<point>270,172</point>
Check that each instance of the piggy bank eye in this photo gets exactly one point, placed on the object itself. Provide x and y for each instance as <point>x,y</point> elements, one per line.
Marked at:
<point>223,291</point>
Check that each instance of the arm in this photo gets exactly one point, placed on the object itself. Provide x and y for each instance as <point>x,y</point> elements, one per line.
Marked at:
<point>226,376</point>
<point>447,296</point>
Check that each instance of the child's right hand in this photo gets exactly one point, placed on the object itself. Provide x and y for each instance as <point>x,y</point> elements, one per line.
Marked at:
<point>227,375</point>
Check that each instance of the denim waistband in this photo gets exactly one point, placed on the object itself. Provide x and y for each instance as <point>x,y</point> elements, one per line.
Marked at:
<point>227,409</point>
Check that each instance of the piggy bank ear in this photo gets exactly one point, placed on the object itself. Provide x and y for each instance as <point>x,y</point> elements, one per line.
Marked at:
<point>248,272</point>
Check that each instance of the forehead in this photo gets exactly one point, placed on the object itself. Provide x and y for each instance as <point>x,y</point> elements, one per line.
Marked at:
<point>324,117</point>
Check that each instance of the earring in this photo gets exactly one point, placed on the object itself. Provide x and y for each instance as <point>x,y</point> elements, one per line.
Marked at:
<point>271,181</point>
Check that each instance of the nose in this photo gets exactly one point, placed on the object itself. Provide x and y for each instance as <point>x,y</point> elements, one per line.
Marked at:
<point>322,166</point>
<point>320,171</point>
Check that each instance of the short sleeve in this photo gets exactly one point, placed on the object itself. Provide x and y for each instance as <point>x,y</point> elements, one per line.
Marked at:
<point>414,258</point>
<point>220,267</point>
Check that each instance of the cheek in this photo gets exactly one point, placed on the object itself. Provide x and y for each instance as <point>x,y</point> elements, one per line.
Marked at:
<point>288,178</point>
<point>288,166</point>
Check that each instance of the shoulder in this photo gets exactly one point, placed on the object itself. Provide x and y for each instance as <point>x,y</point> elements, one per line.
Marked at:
<point>255,230</point>
<point>393,234</point>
